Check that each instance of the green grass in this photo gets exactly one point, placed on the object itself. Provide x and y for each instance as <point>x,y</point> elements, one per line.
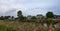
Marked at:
<point>4,28</point>
<point>57,29</point>
<point>20,26</point>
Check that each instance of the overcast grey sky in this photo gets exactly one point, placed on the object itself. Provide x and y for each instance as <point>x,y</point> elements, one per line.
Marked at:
<point>29,7</point>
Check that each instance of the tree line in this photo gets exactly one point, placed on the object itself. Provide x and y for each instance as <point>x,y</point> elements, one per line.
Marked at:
<point>49,15</point>
<point>48,20</point>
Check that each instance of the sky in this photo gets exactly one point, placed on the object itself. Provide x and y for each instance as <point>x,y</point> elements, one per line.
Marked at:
<point>29,7</point>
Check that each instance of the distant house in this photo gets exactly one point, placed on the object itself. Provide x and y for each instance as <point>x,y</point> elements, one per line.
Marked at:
<point>29,17</point>
<point>39,16</point>
<point>11,18</point>
<point>56,16</point>
<point>57,19</point>
<point>58,24</point>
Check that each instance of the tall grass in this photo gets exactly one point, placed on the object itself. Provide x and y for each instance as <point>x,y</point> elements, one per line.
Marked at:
<point>22,26</point>
<point>5,28</point>
<point>57,29</point>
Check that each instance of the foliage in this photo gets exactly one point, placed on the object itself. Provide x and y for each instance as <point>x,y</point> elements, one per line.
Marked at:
<point>49,15</point>
<point>4,17</point>
<point>33,17</point>
<point>5,28</point>
<point>1,18</point>
<point>20,16</point>
<point>57,29</point>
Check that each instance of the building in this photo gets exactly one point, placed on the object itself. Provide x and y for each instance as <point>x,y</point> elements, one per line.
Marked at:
<point>29,17</point>
<point>39,16</point>
<point>57,25</point>
<point>57,19</point>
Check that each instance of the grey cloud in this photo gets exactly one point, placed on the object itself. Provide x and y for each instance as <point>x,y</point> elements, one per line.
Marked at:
<point>11,10</point>
<point>33,7</point>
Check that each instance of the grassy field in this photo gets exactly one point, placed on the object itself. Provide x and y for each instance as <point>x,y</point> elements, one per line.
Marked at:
<point>21,26</point>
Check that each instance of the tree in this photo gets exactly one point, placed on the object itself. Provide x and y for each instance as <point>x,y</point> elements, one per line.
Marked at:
<point>20,16</point>
<point>6,17</point>
<point>33,17</point>
<point>24,19</point>
<point>12,17</point>
<point>50,17</point>
<point>1,18</point>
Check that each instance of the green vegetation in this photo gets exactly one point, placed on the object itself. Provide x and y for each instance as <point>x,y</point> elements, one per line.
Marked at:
<point>33,17</point>
<point>4,28</point>
<point>20,16</point>
<point>49,15</point>
<point>22,23</point>
<point>56,29</point>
